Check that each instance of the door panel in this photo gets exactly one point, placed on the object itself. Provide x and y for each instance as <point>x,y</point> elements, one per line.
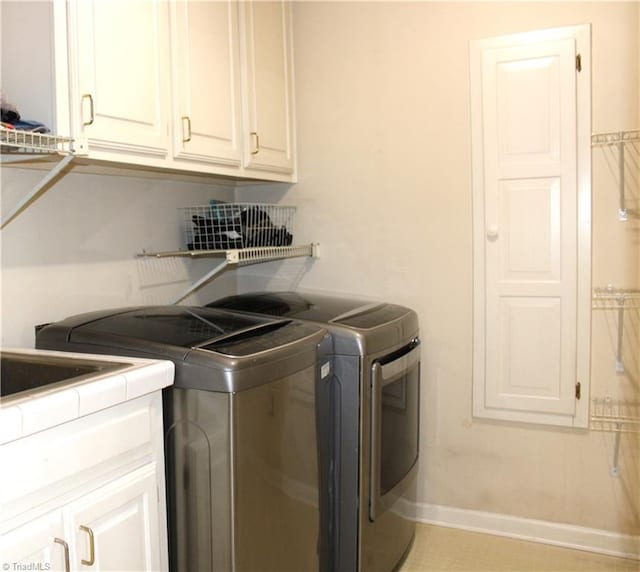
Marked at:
<point>529,366</point>
<point>530,214</point>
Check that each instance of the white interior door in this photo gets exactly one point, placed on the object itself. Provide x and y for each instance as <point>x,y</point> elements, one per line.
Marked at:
<point>526,235</point>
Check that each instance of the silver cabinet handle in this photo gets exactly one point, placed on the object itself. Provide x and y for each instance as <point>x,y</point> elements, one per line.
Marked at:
<point>92,546</point>
<point>92,116</point>
<point>188,120</point>
<point>257,147</point>
<point>66,553</point>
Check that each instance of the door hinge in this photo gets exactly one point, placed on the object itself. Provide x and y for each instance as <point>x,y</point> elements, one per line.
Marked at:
<point>578,390</point>
<point>579,62</point>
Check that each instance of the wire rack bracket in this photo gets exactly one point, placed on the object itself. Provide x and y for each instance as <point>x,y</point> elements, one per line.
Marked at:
<point>18,141</point>
<point>619,139</point>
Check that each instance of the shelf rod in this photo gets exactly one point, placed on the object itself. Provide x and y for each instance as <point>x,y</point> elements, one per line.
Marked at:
<point>37,190</point>
<point>623,214</point>
<point>619,362</point>
<point>615,470</point>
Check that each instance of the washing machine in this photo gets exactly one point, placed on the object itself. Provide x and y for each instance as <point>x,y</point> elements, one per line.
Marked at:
<point>373,410</point>
<point>244,470</point>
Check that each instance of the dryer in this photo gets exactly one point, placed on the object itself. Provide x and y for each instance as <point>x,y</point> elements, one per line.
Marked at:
<point>373,408</point>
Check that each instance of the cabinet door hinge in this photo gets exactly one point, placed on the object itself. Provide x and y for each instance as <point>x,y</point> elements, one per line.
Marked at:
<point>579,62</point>
<point>578,390</point>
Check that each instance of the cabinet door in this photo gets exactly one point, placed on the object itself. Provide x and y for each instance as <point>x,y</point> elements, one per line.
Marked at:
<point>267,67</point>
<point>37,545</point>
<point>119,96</point>
<point>530,145</point>
<point>206,81</point>
<point>120,528</point>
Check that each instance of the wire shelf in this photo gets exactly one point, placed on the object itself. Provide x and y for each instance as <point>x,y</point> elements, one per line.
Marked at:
<point>614,137</point>
<point>615,298</point>
<point>236,257</point>
<point>615,416</point>
<point>16,140</point>
<point>242,256</point>
<point>233,226</point>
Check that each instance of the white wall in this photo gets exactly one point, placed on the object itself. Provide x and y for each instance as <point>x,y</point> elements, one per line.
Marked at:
<point>384,166</point>
<point>74,249</point>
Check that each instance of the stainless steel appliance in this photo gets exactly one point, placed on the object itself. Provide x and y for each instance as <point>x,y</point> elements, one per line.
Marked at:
<point>373,407</point>
<point>240,430</point>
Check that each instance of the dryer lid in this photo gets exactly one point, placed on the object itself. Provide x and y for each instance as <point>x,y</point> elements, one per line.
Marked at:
<point>358,314</point>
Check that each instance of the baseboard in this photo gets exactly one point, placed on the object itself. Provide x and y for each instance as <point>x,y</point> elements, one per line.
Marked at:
<point>564,535</point>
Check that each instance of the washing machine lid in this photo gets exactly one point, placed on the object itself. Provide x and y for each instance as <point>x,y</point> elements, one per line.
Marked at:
<point>212,349</point>
<point>180,326</point>
<point>191,328</point>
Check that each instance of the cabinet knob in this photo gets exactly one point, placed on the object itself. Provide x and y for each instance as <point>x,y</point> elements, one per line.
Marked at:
<point>492,232</point>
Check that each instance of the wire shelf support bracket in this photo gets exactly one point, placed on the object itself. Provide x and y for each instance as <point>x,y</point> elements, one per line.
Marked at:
<point>619,299</point>
<point>17,141</point>
<point>235,257</point>
<point>618,139</point>
<point>617,417</point>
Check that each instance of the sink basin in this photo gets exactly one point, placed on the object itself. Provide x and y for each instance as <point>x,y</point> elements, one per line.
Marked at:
<point>24,372</point>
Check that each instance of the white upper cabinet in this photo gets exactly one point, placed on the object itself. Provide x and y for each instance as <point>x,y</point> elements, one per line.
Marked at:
<point>193,85</point>
<point>206,112</point>
<point>119,80</point>
<point>267,73</point>
<point>531,153</point>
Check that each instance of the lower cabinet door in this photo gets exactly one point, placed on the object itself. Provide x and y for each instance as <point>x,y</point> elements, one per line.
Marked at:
<point>37,545</point>
<point>116,527</point>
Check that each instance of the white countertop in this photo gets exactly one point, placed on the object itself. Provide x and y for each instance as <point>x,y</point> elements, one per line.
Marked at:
<point>22,415</point>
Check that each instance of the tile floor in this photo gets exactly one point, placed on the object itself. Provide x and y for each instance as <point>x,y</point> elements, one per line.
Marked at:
<point>439,549</point>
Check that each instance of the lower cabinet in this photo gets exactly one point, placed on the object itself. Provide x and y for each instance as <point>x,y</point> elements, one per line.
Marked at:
<point>115,528</point>
<point>112,528</point>
<point>40,543</point>
<point>107,514</point>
